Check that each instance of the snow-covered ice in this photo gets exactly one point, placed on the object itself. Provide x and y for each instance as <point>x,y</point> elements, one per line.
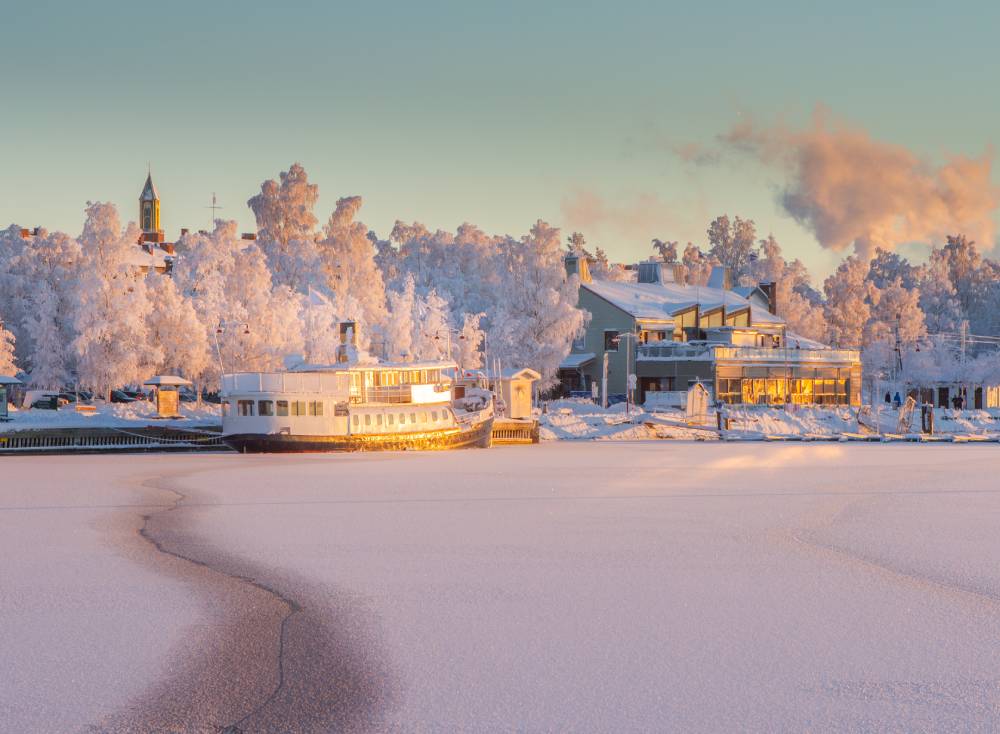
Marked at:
<point>572,587</point>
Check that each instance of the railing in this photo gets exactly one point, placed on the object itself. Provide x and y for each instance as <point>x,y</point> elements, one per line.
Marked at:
<point>718,352</point>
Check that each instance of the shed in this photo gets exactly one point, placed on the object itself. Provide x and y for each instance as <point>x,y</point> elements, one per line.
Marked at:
<point>516,389</point>
<point>6,383</point>
<point>167,402</point>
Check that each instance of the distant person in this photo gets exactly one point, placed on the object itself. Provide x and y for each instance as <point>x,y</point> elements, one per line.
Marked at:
<point>956,402</point>
<point>897,400</point>
<point>888,396</point>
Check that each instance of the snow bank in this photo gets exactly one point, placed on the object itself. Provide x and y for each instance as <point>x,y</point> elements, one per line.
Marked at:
<point>112,415</point>
<point>581,419</point>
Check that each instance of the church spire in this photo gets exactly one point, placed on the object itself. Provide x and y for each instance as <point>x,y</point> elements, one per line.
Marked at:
<point>149,211</point>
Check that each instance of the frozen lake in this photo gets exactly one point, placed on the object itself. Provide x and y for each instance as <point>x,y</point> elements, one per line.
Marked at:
<point>570,587</point>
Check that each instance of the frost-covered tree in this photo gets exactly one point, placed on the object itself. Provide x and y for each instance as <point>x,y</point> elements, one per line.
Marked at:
<point>7,365</point>
<point>537,319</point>
<point>666,250</point>
<point>733,243</point>
<point>37,288</point>
<point>175,326</point>
<point>431,334</point>
<point>348,258</point>
<point>697,265</point>
<point>471,339</point>
<point>398,328</point>
<point>286,227</point>
<point>251,323</point>
<point>112,342</point>
<point>938,298</point>
<point>848,308</point>
<point>886,267</point>
<point>321,322</point>
<point>801,315</point>
<point>45,324</point>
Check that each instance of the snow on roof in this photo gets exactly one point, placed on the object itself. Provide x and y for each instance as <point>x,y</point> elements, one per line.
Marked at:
<point>525,373</point>
<point>167,381</point>
<point>149,192</point>
<point>664,300</point>
<point>794,340</point>
<point>140,257</point>
<point>8,380</point>
<point>575,361</point>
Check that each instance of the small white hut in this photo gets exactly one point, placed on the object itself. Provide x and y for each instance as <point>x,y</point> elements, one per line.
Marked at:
<point>515,391</point>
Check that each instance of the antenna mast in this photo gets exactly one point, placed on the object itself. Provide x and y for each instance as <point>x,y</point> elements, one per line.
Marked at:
<point>215,205</point>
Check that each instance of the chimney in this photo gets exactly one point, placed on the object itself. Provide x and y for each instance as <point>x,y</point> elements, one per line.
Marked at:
<point>651,271</point>
<point>720,278</point>
<point>771,291</point>
<point>576,264</point>
<point>248,236</point>
<point>184,231</point>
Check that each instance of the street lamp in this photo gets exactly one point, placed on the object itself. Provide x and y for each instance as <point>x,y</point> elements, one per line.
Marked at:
<point>628,372</point>
<point>221,329</point>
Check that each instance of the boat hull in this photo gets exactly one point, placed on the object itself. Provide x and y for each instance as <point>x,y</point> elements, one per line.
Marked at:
<point>476,436</point>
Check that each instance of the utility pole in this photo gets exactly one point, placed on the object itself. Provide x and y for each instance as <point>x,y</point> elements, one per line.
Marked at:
<point>899,350</point>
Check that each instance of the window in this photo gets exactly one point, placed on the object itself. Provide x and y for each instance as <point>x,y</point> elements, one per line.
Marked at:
<point>244,407</point>
<point>354,420</point>
<point>610,340</point>
<point>402,418</point>
<point>368,420</point>
<point>315,408</point>
<point>434,415</point>
<point>390,418</point>
<point>423,417</point>
<point>299,407</point>
<point>265,407</point>
<point>580,342</point>
<point>413,417</point>
<point>378,419</point>
<point>282,407</point>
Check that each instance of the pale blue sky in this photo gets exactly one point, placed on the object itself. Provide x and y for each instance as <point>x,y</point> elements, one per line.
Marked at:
<point>495,114</point>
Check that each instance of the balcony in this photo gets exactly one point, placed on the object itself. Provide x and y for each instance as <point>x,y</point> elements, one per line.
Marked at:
<point>672,352</point>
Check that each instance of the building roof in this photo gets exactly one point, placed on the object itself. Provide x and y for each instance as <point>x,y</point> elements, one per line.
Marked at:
<point>576,361</point>
<point>662,301</point>
<point>149,192</point>
<point>523,373</point>
<point>167,381</point>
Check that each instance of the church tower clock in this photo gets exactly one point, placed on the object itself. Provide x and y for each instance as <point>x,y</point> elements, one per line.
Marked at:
<point>149,212</point>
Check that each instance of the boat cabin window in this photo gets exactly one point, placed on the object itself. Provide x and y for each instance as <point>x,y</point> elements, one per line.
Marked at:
<point>282,407</point>
<point>423,417</point>
<point>390,418</point>
<point>402,419</point>
<point>368,420</point>
<point>244,407</point>
<point>265,407</point>
<point>299,407</point>
<point>315,408</point>
<point>354,420</point>
<point>413,417</point>
<point>378,419</point>
<point>434,415</point>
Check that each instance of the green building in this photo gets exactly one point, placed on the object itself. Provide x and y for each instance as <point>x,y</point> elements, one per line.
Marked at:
<point>671,335</point>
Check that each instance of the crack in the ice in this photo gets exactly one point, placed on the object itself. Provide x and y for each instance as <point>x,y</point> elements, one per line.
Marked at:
<point>291,605</point>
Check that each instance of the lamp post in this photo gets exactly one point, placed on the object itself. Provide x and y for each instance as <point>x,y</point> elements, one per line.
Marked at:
<point>448,331</point>
<point>628,372</point>
<point>221,329</point>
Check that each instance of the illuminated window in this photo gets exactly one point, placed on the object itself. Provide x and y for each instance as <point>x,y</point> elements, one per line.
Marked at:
<point>245,407</point>
<point>282,406</point>
<point>299,407</point>
<point>315,408</point>
<point>265,407</point>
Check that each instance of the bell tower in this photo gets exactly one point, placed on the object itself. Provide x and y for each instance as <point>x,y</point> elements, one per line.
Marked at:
<point>149,212</point>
